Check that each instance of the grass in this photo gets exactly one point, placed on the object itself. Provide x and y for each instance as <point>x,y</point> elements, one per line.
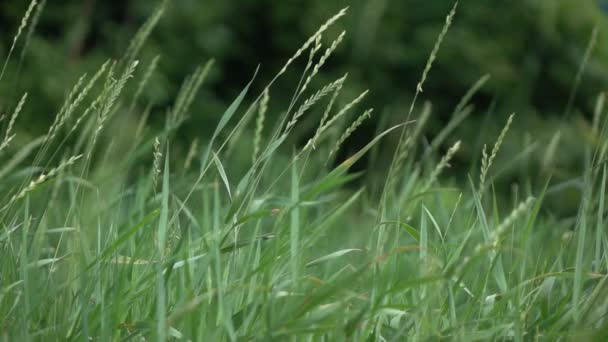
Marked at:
<point>106,235</point>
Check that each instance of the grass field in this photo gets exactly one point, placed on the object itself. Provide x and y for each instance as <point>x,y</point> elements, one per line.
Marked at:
<point>110,233</point>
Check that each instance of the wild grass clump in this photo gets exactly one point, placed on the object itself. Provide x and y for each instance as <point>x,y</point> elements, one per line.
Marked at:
<point>106,236</point>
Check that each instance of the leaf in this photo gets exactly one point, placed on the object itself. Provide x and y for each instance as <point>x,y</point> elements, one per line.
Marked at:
<point>44,262</point>
<point>332,178</point>
<point>222,172</point>
<point>122,238</point>
<point>253,216</point>
<point>413,232</point>
<point>60,230</point>
<point>224,120</point>
<point>239,195</point>
<point>234,246</point>
<point>333,255</point>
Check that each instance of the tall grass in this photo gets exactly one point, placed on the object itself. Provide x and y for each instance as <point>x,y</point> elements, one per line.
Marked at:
<point>99,244</point>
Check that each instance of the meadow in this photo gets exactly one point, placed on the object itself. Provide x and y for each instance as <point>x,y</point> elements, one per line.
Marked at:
<point>110,232</point>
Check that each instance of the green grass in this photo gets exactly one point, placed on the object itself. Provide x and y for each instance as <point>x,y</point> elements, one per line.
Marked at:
<point>107,234</point>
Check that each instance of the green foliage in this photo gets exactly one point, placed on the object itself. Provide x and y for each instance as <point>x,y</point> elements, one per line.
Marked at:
<point>108,233</point>
<point>532,51</point>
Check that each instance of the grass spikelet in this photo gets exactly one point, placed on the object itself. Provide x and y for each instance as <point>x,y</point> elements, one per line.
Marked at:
<point>521,209</point>
<point>8,137</point>
<point>141,126</point>
<point>114,88</point>
<point>22,26</point>
<point>581,70</point>
<point>486,162</point>
<point>323,59</point>
<point>198,80</point>
<point>313,53</point>
<point>68,103</point>
<point>71,104</point>
<point>313,39</point>
<point>11,123</point>
<point>188,91</point>
<point>144,80</point>
<point>462,110</point>
<point>343,111</point>
<point>391,173</point>
<point>94,106</point>
<point>470,93</point>
<point>259,123</point>
<point>41,179</point>
<point>6,142</point>
<point>443,163</point>
<point>192,152</point>
<point>484,166</point>
<point>353,127</point>
<point>158,155</point>
<point>549,157</point>
<point>309,102</point>
<point>314,50</point>
<point>325,116</point>
<point>32,26</point>
<point>429,64</point>
<point>70,98</point>
<point>142,35</point>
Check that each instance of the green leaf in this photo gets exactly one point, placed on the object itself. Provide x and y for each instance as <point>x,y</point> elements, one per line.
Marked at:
<point>332,256</point>
<point>222,173</point>
<point>122,238</point>
<point>332,178</point>
<point>224,120</point>
<point>413,232</point>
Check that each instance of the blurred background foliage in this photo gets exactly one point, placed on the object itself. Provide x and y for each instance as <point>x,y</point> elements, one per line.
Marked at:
<point>532,49</point>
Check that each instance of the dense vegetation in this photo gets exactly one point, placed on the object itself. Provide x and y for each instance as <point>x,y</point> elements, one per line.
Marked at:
<point>116,225</point>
